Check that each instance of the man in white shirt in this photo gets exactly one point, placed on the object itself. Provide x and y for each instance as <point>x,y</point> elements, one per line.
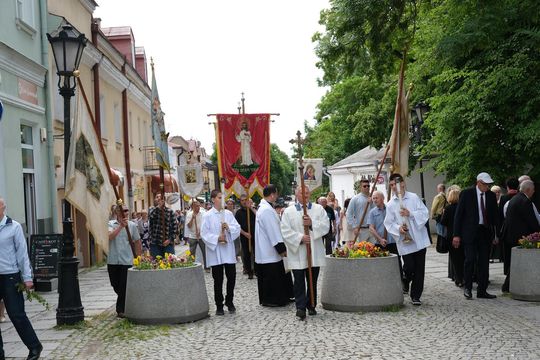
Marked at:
<point>292,228</point>
<point>218,231</point>
<point>404,221</point>
<point>192,231</point>
<point>274,285</point>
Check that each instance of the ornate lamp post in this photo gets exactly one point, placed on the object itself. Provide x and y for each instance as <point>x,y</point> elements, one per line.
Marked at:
<point>418,113</point>
<point>67,46</point>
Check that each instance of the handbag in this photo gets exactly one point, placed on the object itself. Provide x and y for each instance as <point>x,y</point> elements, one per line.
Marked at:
<point>442,245</point>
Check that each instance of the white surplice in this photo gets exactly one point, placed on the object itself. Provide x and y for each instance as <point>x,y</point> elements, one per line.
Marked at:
<point>419,215</point>
<point>267,234</point>
<point>292,229</point>
<point>219,253</point>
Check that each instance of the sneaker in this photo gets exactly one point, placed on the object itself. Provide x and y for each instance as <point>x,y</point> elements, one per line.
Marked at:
<point>121,315</point>
<point>220,312</point>
<point>231,307</point>
<point>416,302</point>
<point>300,314</point>
<point>312,312</point>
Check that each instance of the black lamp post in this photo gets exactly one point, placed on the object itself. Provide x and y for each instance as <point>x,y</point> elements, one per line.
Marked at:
<point>418,113</point>
<point>67,46</point>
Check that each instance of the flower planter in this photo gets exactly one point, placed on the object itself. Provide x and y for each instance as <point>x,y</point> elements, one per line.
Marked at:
<point>166,296</point>
<point>525,274</point>
<point>364,284</point>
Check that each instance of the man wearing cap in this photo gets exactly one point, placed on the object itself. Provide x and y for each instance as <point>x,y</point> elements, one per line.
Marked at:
<point>474,227</point>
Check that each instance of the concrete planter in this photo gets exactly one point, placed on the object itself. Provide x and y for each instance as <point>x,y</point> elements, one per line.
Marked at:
<point>525,274</point>
<point>352,285</point>
<point>166,296</point>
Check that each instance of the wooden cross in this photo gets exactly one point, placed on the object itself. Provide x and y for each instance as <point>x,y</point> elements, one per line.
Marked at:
<point>299,142</point>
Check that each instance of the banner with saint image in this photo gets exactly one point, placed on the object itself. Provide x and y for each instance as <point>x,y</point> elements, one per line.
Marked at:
<point>243,149</point>
<point>312,173</point>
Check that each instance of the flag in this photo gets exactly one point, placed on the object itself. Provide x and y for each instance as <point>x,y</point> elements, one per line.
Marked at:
<point>399,140</point>
<point>312,173</point>
<point>243,149</point>
<point>190,177</point>
<point>158,127</point>
<point>88,187</point>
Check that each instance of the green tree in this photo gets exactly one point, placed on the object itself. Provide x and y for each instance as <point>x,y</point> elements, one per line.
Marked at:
<point>281,170</point>
<point>475,64</point>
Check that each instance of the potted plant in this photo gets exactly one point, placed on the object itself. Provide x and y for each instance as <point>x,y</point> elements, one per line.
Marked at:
<point>524,269</point>
<point>361,278</point>
<point>166,290</point>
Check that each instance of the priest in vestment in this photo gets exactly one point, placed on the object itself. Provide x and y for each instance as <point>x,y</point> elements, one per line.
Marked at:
<point>274,284</point>
<point>218,231</point>
<point>292,228</point>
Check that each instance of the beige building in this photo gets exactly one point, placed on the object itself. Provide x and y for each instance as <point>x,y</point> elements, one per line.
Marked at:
<point>114,77</point>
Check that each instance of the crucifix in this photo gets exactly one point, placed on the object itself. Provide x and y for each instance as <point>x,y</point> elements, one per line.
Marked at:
<point>299,142</point>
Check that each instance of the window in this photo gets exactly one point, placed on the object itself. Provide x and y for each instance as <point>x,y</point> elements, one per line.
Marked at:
<point>103,117</point>
<point>25,16</point>
<point>117,124</point>
<point>27,147</point>
<point>139,134</point>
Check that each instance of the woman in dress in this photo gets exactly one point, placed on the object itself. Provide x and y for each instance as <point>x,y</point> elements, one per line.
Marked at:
<point>457,256</point>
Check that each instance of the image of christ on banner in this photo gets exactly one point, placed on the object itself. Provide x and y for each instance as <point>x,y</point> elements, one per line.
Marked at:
<point>243,148</point>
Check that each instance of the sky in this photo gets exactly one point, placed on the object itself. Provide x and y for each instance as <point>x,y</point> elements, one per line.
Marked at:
<point>207,52</point>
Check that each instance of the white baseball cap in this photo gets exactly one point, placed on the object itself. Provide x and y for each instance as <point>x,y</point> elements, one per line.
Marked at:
<point>485,178</point>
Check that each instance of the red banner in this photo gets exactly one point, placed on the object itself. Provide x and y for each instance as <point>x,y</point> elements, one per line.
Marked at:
<point>243,148</point>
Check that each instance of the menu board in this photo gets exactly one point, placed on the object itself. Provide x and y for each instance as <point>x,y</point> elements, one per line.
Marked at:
<point>45,254</point>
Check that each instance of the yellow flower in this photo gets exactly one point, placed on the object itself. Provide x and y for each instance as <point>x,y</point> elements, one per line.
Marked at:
<point>136,261</point>
<point>188,252</point>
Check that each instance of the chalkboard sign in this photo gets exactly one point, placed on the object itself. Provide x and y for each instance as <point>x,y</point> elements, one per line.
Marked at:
<point>45,251</point>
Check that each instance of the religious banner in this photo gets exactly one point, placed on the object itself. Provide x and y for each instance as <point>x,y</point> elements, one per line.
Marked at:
<point>312,173</point>
<point>190,177</point>
<point>243,148</point>
<point>88,187</point>
<point>158,127</point>
<point>399,140</point>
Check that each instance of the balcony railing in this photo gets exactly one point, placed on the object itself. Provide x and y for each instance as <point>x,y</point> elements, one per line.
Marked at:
<point>150,159</point>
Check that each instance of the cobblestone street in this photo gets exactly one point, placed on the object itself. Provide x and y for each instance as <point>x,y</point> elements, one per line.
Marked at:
<point>446,326</point>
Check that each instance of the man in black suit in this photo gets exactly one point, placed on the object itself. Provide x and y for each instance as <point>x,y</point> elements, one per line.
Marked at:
<point>520,221</point>
<point>512,189</point>
<point>474,226</point>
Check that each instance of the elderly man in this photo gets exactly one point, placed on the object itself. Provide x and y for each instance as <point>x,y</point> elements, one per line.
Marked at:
<point>405,220</point>
<point>15,269</point>
<point>520,221</point>
<point>357,211</point>
<point>293,223</point>
<point>474,226</point>
<point>192,231</point>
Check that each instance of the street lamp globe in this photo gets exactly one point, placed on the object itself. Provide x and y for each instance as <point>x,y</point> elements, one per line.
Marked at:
<point>67,47</point>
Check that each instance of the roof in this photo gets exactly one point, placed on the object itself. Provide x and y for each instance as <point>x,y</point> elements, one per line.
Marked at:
<point>365,157</point>
<point>117,31</point>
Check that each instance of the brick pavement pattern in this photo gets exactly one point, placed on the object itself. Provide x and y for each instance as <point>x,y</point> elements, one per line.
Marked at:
<point>446,326</point>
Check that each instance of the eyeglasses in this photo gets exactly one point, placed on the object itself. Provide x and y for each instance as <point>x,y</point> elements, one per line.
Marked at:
<point>365,186</point>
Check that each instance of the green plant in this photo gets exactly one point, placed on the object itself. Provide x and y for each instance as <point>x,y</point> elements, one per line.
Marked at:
<point>32,295</point>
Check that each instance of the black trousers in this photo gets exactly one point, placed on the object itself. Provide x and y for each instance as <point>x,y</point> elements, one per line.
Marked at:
<point>414,266</point>
<point>246,255</point>
<point>118,279</point>
<point>217,275</point>
<point>301,293</point>
<point>507,262</point>
<point>457,257</point>
<point>392,248</point>
<point>477,252</point>
<point>328,240</point>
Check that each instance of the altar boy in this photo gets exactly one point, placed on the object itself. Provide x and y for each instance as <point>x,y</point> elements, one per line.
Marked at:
<point>218,231</point>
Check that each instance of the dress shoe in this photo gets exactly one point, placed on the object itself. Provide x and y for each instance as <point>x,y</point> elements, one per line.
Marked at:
<point>300,314</point>
<point>231,307</point>
<point>468,294</point>
<point>312,312</point>
<point>35,353</point>
<point>250,276</point>
<point>220,312</point>
<point>485,295</point>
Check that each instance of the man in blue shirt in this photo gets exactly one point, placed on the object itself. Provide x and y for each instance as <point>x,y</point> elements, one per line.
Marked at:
<point>378,231</point>
<point>14,269</point>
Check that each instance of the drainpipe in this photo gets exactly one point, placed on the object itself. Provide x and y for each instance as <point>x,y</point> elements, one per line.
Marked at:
<point>126,139</point>
<point>53,192</point>
<point>95,70</point>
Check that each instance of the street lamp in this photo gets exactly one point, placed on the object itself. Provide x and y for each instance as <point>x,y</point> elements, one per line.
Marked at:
<point>67,46</point>
<point>418,113</point>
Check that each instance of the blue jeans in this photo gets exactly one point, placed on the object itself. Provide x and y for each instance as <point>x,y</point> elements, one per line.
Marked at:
<point>156,250</point>
<point>14,302</point>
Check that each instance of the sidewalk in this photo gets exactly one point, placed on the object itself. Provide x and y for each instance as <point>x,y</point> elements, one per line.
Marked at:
<point>446,326</point>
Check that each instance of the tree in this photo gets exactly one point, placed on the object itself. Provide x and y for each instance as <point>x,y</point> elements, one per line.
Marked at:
<point>475,64</point>
<point>281,170</point>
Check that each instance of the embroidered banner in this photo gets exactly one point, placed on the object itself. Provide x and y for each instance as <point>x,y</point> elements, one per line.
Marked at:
<point>243,148</point>
<point>312,173</point>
